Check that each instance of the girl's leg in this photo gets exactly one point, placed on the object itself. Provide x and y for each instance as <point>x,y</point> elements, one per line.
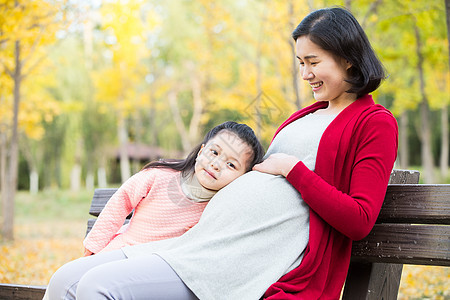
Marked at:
<point>64,282</point>
<point>148,277</point>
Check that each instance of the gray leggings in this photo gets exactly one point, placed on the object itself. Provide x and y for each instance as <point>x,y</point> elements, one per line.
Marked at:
<point>111,275</point>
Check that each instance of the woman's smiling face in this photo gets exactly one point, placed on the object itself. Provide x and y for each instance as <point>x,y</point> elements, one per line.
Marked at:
<point>324,72</point>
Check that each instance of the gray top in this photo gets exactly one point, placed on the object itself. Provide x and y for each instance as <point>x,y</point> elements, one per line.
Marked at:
<point>252,232</point>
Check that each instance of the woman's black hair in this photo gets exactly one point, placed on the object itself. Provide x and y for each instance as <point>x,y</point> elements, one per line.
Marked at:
<point>336,30</point>
<point>242,131</point>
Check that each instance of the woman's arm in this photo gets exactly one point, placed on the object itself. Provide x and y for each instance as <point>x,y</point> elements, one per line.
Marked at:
<point>113,215</point>
<point>355,213</point>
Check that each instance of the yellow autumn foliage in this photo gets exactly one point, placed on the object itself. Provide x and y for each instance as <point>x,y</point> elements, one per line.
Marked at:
<point>30,26</point>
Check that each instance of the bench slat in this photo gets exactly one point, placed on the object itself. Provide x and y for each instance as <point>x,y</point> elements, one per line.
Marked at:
<point>405,244</point>
<point>101,196</point>
<point>417,204</point>
<point>21,292</point>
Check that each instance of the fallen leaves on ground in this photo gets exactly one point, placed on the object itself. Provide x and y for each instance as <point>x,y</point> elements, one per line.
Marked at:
<point>425,282</point>
<point>38,251</point>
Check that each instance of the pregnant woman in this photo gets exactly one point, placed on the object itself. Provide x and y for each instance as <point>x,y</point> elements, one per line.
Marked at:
<point>284,230</point>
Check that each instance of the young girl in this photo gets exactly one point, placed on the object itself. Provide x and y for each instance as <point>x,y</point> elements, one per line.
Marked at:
<point>169,196</point>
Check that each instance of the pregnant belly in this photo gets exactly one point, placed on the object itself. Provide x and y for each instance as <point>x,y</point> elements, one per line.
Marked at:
<point>255,198</point>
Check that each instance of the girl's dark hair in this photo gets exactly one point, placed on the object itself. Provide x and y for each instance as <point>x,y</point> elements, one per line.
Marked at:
<point>242,131</point>
<point>336,30</point>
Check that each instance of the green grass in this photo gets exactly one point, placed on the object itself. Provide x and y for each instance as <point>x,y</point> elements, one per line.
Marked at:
<point>53,205</point>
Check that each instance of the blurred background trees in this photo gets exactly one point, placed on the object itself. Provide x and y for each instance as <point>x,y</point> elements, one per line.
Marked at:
<point>91,90</point>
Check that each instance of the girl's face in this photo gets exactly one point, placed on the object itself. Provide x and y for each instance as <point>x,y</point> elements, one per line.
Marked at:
<point>224,158</point>
<point>324,72</point>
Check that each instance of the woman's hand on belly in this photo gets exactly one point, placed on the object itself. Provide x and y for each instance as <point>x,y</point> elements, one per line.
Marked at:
<point>277,164</point>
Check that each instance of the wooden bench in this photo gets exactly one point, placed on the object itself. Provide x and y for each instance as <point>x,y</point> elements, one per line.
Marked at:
<point>412,228</point>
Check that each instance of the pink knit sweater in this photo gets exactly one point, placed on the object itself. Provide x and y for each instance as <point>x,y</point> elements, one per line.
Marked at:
<point>162,211</point>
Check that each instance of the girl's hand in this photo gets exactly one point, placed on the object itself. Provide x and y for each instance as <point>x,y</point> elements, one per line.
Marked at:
<point>87,252</point>
<point>277,164</point>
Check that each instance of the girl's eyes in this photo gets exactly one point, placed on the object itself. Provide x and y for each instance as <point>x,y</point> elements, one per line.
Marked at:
<point>216,153</point>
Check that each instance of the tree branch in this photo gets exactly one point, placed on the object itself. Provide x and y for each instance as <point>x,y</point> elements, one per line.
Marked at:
<point>172,97</point>
<point>372,10</point>
<point>8,71</point>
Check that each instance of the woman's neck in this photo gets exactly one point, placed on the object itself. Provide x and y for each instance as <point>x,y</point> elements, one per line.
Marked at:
<point>337,105</point>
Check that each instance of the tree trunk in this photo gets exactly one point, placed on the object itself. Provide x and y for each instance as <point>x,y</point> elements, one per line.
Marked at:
<point>426,151</point>
<point>373,10</point>
<point>348,4</point>
<point>259,74</point>
<point>403,139</point>
<point>75,174</point>
<point>88,50</point>
<point>34,181</point>
<point>153,126</point>
<point>75,177</point>
<point>136,163</point>
<point>194,125</point>
<point>125,172</point>
<point>258,119</point>
<point>444,143</point>
<point>190,135</point>
<point>425,135</point>
<point>3,155</point>
<point>447,11</point>
<point>295,62</point>
<point>25,149</point>
<point>444,117</point>
<point>3,166</point>
<point>101,177</point>
<point>185,142</point>
<point>89,181</point>
<point>10,183</point>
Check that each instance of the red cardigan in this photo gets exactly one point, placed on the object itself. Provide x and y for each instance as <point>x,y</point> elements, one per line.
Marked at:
<point>355,158</point>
